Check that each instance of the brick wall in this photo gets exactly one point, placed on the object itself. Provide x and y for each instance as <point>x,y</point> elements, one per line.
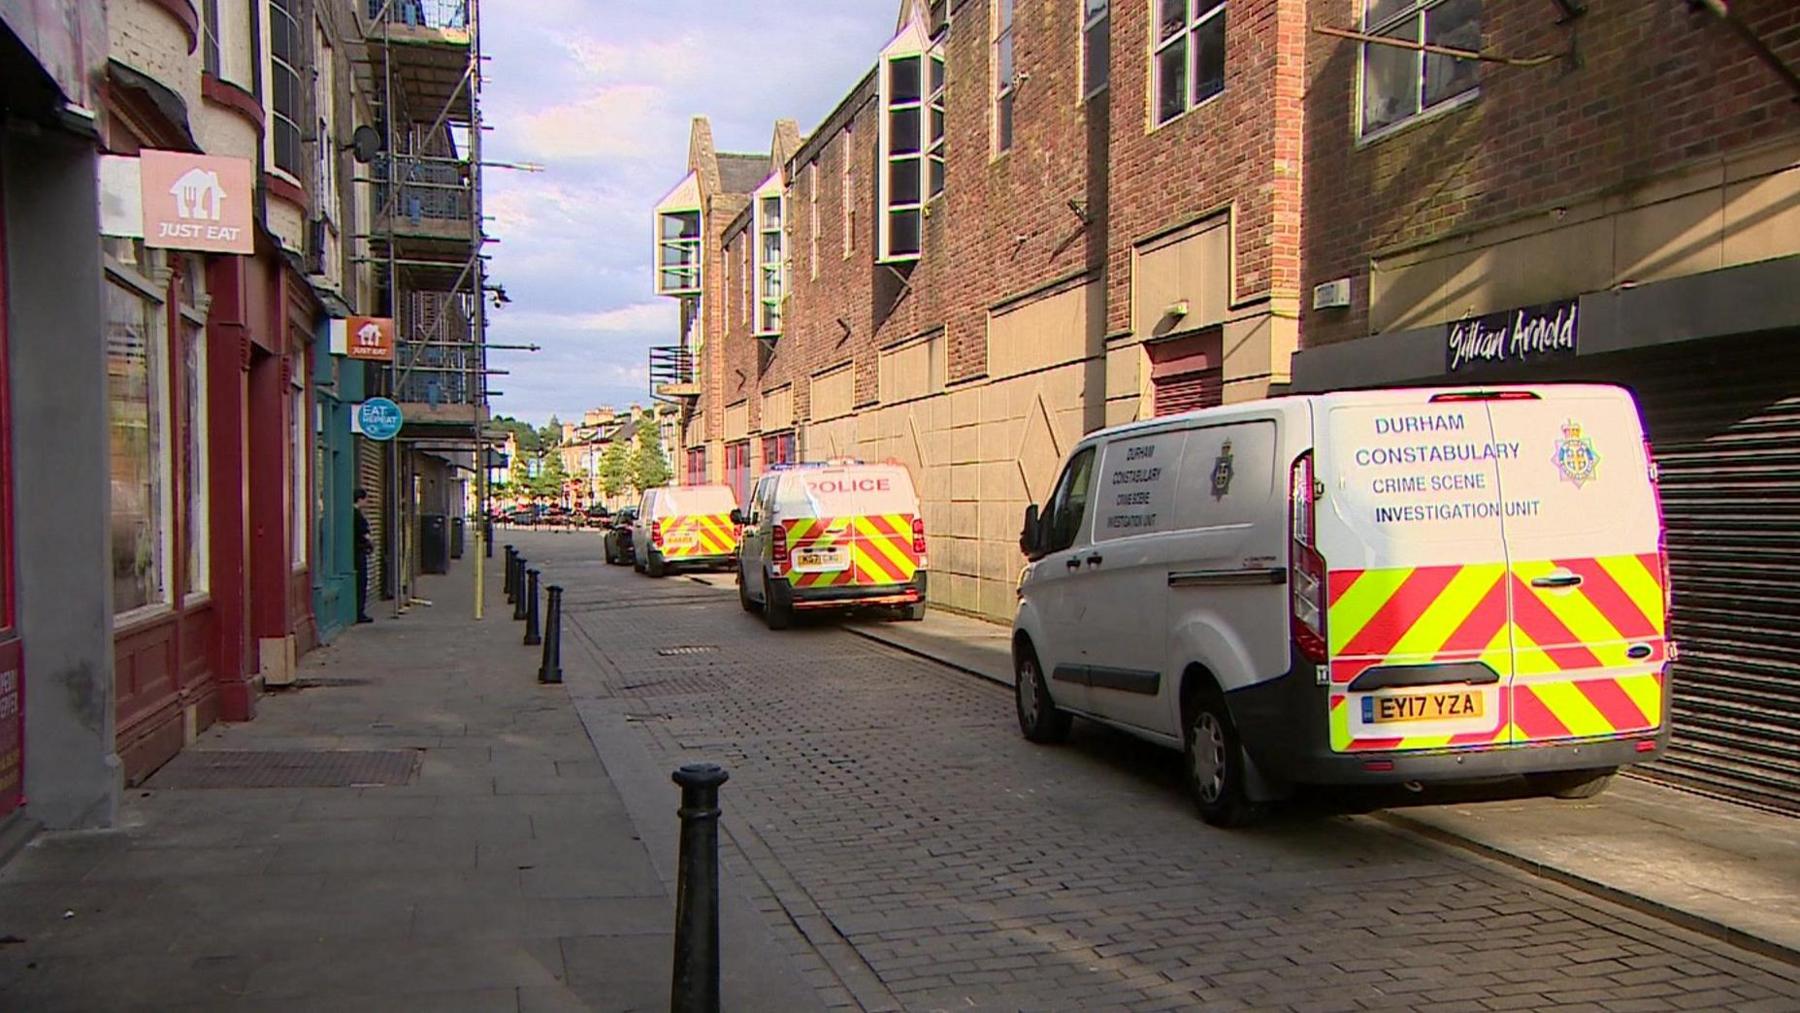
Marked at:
<point>1652,87</point>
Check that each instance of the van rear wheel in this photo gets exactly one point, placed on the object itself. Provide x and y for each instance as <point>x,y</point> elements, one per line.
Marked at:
<point>778,615</point>
<point>1571,784</point>
<point>1214,764</point>
<point>744,599</point>
<point>655,566</point>
<point>1039,719</point>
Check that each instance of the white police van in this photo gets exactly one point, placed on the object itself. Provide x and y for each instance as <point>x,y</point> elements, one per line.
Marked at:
<point>1401,586</point>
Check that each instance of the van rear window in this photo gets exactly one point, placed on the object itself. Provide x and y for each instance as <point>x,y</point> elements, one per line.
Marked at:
<point>694,501</point>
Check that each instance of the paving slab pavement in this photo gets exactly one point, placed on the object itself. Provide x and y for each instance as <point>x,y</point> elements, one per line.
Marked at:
<point>506,874</point>
<point>1730,870</point>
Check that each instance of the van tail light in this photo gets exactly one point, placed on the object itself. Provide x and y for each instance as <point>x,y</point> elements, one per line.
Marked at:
<point>1662,531</point>
<point>1306,579</point>
<point>778,546</point>
<point>656,533</point>
<point>918,536</point>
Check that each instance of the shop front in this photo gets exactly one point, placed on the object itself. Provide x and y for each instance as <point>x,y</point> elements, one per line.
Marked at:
<point>1713,362</point>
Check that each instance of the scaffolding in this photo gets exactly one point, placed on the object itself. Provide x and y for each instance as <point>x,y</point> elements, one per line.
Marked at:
<point>424,64</point>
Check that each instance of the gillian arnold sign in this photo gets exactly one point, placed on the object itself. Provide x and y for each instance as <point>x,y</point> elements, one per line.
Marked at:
<point>197,202</point>
<point>1519,337</point>
<point>367,338</point>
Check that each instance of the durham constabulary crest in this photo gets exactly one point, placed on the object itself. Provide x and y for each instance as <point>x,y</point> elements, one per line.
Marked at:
<point>1575,457</point>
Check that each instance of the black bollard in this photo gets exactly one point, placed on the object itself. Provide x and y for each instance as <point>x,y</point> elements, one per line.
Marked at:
<point>550,668</point>
<point>695,988</point>
<point>532,639</point>
<point>519,571</point>
<point>487,538</point>
<point>507,580</point>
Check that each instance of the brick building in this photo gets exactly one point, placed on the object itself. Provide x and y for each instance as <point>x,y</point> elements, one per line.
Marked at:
<point>1625,192</point>
<point>999,240</point>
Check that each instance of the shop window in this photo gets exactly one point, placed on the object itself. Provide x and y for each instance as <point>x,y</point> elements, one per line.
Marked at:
<point>1096,46</point>
<point>1189,59</point>
<point>1006,76</point>
<point>285,59</point>
<point>1399,84</point>
<point>196,485</point>
<point>770,266</point>
<point>678,252</point>
<point>138,424</point>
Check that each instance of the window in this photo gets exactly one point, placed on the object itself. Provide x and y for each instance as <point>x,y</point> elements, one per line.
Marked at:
<point>812,224</point>
<point>284,86</point>
<point>903,188</point>
<point>324,95</point>
<point>1005,75</point>
<point>1397,83</point>
<point>778,448</point>
<point>137,416</point>
<point>211,54</point>
<point>1189,61</point>
<point>847,188</point>
<point>678,252</point>
<point>737,470</point>
<point>299,493</point>
<point>196,487</point>
<point>1096,46</point>
<point>744,278</point>
<point>1068,503</point>
<point>769,267</point>
<point>696,466</point>
<point>934,146</point>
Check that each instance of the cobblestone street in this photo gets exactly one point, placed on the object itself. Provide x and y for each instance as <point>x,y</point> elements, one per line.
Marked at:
<point>915,852</point>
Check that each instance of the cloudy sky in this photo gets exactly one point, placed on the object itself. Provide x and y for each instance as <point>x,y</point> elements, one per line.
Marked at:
<point>601,92</point>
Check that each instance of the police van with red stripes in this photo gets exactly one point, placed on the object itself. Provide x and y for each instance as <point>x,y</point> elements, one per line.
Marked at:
<point>835,535</point>
<point>1358,588</point>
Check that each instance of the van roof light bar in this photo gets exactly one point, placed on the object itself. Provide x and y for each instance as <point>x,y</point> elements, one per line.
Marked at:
<point>1485,395</point>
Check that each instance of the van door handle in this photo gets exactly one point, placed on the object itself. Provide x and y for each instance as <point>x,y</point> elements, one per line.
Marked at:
<point>1095,560</point>
<point>1559,578</point>
<point>1074,563</point>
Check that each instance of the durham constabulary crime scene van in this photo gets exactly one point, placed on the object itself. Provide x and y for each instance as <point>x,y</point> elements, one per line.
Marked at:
<point>686,526</point>
<point>1402,586</point>
<point>842,534</point>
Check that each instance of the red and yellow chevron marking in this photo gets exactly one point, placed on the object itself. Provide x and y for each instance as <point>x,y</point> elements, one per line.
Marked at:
<point>880,548</point>
<point>696,535</point>
<point>1562,654</point>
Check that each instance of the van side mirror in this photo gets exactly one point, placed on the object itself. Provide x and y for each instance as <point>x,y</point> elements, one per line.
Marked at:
<point>737,517</point>
<point>1028,535</point>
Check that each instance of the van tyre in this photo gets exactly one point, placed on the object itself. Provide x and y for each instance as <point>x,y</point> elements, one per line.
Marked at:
<point>1213,763</point>
<point>778,614</point>
<point>744,599</point>
<point>1571,784</point>
<point>1040,720</point>
<point>655,566</point>
<point>913,613</point>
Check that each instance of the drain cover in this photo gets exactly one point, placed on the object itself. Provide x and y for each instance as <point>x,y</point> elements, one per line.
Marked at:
<point>670,652</point>
<point>289,768</point>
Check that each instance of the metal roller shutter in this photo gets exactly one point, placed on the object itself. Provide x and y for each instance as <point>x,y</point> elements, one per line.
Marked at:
<point>1185,372</point>
<point>1185,392</point>
<point>371,461</point>
<point>1724,424</point>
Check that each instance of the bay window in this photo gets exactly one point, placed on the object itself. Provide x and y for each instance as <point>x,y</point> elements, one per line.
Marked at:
<point>285,59</point>
<point>934,141</point>
<point>770,267</point>
<point>910,85</point>
<point>1188,64</point>
<point>678,240</point>
<point>1399,84</point>
<point>1005,75</point>
<point>1096,46</point>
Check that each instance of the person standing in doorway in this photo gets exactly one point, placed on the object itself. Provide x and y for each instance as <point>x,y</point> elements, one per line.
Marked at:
<point>364,545</point>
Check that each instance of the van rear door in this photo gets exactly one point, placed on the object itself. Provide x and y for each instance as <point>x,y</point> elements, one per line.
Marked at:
<point>1583,533</point>
<point>852,526</point>
<point>1408,522</point>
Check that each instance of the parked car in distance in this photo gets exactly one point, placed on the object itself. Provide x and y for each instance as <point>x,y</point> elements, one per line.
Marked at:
<point>618,541</point>
<point>597,516</point>
<point>1384,587</point>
